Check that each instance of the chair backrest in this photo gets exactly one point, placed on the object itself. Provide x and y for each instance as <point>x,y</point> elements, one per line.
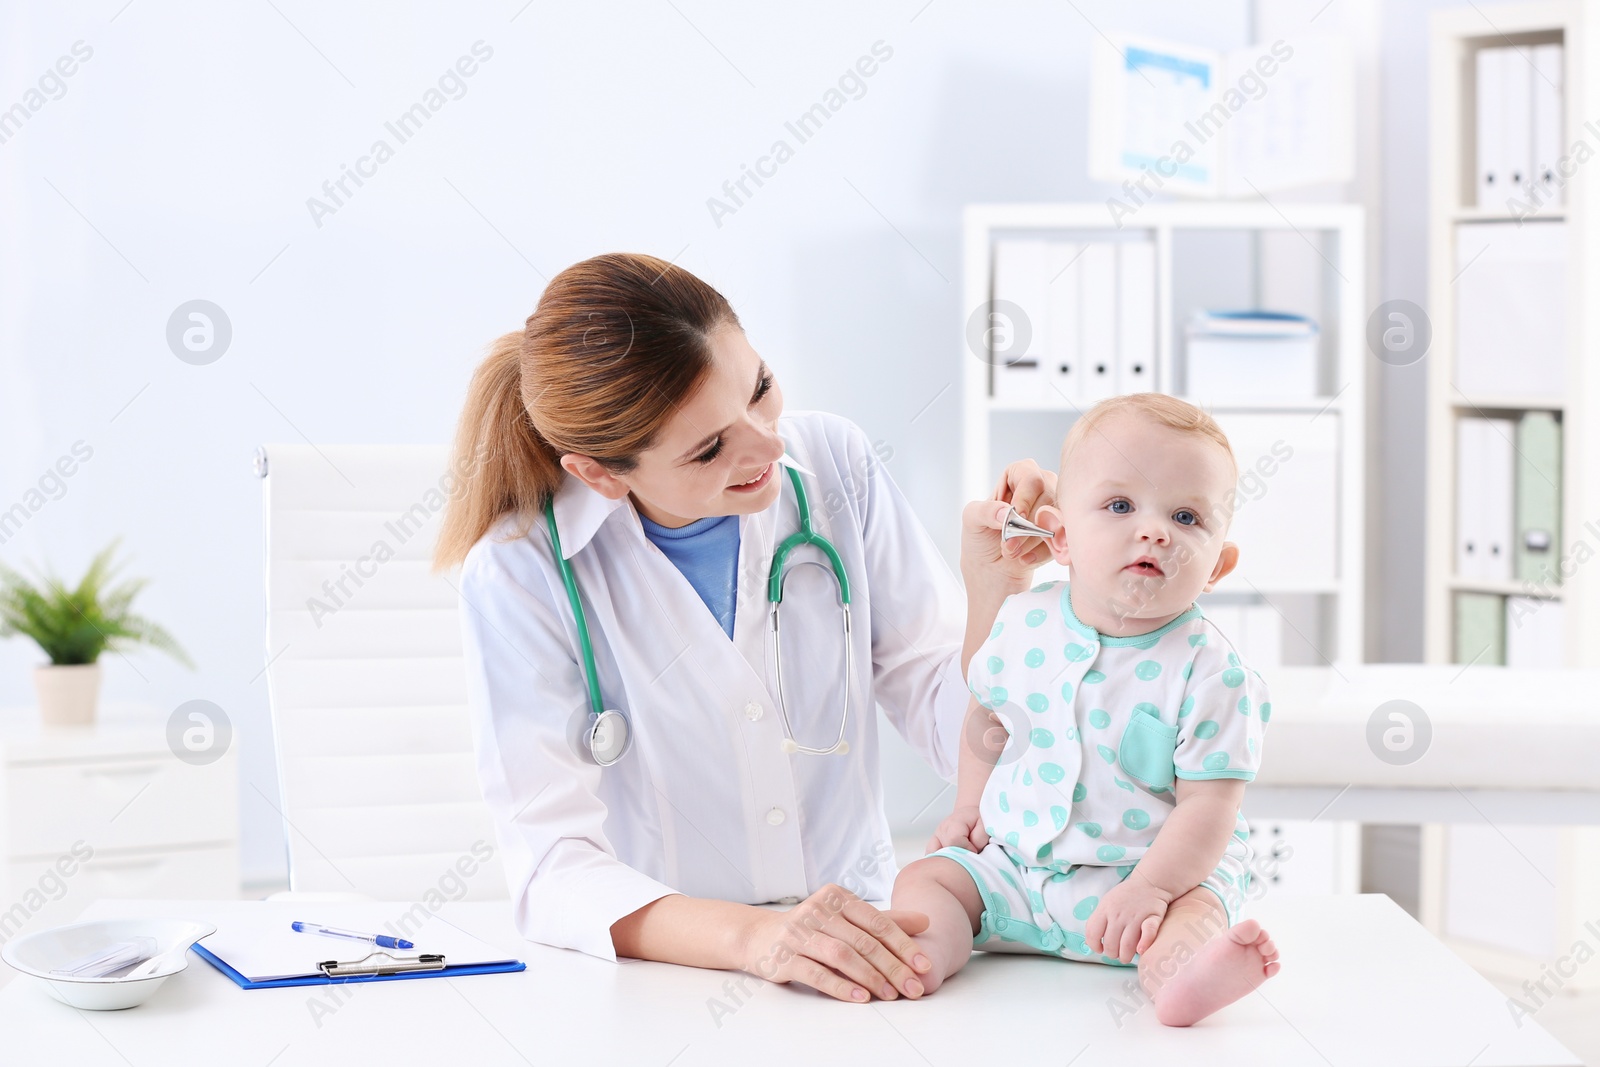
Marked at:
<point>366,678</point>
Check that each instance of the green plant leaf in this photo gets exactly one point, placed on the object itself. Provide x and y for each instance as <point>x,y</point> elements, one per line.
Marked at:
<point>77,626</point>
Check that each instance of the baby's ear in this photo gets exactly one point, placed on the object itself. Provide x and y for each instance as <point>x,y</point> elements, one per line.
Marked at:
<point>1047,516</point>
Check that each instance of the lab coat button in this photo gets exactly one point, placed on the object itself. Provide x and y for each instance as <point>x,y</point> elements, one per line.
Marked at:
<point>776,816</point>
<point>788,900</point>
<point>753,711</point>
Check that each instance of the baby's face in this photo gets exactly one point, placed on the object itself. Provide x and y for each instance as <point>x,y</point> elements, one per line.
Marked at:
<point>1142,509</point>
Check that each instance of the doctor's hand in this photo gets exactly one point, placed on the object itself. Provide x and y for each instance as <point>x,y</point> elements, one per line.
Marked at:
<point>962,828</point>
<point>1005,566</point>
<point>840,945</point>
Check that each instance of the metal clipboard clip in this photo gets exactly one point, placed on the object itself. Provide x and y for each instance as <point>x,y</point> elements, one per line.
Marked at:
<point>382,963</point>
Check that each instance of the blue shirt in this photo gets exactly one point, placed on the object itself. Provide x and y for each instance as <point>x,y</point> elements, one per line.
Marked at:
<point>707,552</point>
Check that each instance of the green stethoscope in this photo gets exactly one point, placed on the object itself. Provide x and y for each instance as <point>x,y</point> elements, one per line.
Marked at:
<point>608,736</point>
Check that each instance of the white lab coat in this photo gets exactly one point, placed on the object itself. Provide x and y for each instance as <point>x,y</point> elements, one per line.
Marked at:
<point>706,803</point>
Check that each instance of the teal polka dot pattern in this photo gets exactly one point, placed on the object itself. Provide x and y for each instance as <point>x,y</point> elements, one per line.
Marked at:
<point>1266,711</point>
<point>1170,678</point>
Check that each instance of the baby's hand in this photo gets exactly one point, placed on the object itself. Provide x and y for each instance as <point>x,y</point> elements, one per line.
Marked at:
<point>962,828</point>
<point>1127,918</point>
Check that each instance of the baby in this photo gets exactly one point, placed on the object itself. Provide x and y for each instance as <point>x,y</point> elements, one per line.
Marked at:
<point>1103,823</point>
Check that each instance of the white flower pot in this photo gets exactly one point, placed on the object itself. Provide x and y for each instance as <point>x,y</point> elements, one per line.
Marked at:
<point>67,695</point>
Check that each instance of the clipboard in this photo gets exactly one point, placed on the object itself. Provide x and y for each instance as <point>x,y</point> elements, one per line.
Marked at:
<point>387,975</point>
<point>256,948</point>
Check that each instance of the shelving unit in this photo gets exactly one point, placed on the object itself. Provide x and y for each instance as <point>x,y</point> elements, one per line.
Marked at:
<point>1325,244</point>
<point>1549,876</point>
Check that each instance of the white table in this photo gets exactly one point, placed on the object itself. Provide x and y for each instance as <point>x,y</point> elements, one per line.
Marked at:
<point>1362,984</point>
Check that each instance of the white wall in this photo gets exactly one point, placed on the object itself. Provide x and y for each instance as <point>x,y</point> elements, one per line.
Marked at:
<point>179,160</point>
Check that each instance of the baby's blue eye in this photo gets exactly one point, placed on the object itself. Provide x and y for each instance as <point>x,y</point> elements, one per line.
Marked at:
<point>1192,520</point>
<point>1115,504</point>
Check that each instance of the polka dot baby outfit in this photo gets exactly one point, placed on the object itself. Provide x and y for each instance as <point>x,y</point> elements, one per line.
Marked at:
<point>1101,728</point>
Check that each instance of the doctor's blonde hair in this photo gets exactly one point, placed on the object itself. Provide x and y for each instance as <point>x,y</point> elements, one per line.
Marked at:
<point>614,347</point>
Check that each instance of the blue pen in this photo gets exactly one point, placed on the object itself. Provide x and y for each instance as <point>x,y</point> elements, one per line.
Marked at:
<point>381,940</point>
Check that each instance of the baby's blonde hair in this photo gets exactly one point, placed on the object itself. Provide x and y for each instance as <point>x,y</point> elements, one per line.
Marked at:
<point>1167,410</point>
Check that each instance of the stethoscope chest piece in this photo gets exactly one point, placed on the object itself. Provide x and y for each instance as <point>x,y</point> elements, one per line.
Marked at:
<point>608,737</point>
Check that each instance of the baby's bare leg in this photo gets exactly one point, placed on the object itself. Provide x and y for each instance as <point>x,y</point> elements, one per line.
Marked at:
<point>942,890</point>
<point>1198,964</point>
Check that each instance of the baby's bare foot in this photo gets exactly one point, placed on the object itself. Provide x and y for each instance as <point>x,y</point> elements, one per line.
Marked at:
<point>1227,967</point>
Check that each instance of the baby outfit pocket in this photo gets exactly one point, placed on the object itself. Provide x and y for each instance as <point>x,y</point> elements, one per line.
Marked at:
<point>1147,748</point>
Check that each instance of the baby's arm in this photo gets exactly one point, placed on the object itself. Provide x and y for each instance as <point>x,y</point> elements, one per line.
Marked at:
<point>1187,848</point>
<point>983,738</point>
<point>1194,837</point>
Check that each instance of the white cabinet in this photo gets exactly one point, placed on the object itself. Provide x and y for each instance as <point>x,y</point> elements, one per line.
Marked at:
<point>108,811</point>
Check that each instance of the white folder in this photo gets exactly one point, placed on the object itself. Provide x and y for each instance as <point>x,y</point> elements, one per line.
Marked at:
<point>1548,116</point>
<point>1518,144</point>
<point>1063,372</point>
<point>1291,483</point>
<point>1511,308</point>
<point>1136,316</point>
<point>1470,449</point>
<point>1492,184</point>
<point>1017,341</point>
<point>1534,632</point>
<point>1097,291</point>
<point>1499,512</point>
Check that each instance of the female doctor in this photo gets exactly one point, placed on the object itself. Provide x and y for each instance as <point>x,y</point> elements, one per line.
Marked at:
<point>665,734</point>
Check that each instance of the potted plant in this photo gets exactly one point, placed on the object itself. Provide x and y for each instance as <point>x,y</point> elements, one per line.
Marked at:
<point>74,627</point>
